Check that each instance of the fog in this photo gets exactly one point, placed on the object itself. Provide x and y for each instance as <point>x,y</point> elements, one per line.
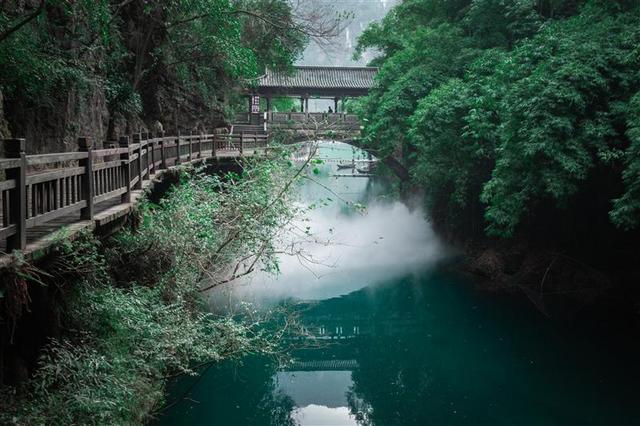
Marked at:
<point>340,52</point>
<point>346,249</point>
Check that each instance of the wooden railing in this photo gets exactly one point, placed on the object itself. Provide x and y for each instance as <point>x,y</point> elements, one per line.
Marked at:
<point>311,117</point>
<point>40,188</point>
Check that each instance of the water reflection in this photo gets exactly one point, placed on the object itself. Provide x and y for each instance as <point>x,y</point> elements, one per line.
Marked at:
<point>313,414</point>
<point>426,350</point>
<point>320,397</point>
<point>399,343</point>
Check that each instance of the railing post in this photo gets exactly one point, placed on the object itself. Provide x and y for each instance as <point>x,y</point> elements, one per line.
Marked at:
<point>152,164</point>
<point>178,149</point>
<point>84,145</point>
<point>145,138</point>
<point>200,145</point>
<point>15,148</point>
<point>191,145</point>
<point>126,158</point>
<point>137,139</point>
<point>241,142</point>
<point>163,154</point>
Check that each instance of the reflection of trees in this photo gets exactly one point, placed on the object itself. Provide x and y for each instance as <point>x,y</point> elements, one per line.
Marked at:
<point>395,388</point>
<point>393,377</point>
<point>401,378</point>
<point>452,366</point>
<point>236,394</point>
<point>260,397</point>
<point>361,410</point>
<point>274,408</point>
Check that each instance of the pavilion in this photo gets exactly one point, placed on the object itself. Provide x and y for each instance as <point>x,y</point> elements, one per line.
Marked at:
<point>304,82</point>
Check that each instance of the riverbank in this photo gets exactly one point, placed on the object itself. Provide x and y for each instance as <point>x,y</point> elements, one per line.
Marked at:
<point>561,272</point>
<point>130,310</point>
<point>556,281</point>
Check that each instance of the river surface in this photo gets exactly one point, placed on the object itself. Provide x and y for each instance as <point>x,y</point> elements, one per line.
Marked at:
<point>396,337</point>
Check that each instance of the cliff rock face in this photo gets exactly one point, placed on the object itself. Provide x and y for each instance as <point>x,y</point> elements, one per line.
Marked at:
<point>82,108</point>
<point>56,128</point>
<point>4,124</point>
<point>175,107</point>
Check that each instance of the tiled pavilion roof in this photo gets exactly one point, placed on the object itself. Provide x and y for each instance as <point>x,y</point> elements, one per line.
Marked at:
<point>319,80</point>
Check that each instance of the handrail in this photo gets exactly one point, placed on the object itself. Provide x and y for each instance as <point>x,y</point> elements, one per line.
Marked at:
<point>303,117</point>
<point>79,180</point>
<point>55,158</point>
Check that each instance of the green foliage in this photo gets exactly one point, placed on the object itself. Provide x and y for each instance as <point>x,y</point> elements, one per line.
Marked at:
<point>514,103</point>
<point>114,371</point>
<point>32,68</point>
<point>626,209</point>
<point>121,95</point>
<point>38,67</point>
<point>210,47</point>
<point>213,42</point>
<point>275,46</point>
<point>561,111</point>
<point>448,161</point>
<point>285,104</point>
<point>406,77</point>
<point>500,22</point>
<point>197,233</point>
<point>135,312</point>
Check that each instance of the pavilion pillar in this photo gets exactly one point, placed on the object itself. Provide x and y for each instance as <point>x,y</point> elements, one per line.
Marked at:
<point>302,104</point>
<point>335,104</point>
<point>268,99</point>
<point>306,104</point>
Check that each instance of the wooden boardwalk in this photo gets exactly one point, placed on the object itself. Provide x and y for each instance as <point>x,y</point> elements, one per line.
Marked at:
<point>47,196</point>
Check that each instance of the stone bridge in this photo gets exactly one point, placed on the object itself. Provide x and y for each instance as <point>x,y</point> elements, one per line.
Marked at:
<point>298,126</point>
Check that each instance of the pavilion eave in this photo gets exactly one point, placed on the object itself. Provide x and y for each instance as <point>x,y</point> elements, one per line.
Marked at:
<point>304,92</point>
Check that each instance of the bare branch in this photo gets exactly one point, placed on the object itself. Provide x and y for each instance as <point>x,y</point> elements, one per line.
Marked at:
<point>316,23</point>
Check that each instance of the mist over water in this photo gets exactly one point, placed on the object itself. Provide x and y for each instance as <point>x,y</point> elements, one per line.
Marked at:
<point>388,338</point>
<point>346,248</point>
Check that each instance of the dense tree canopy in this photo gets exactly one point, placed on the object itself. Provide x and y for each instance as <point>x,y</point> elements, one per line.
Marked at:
<point>132,47</point>
<point>512,103</point>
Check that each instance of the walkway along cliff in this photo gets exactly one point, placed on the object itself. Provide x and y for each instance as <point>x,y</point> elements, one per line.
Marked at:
<point>94,187</point>
<point>49,197</point>
<point>116,316</point>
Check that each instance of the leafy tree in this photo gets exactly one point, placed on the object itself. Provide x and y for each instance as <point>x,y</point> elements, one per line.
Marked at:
<point>561,111</point>
<point>405,78</point>
<point>513,103</point>
<point>626,209</point>
<point>135,49</point>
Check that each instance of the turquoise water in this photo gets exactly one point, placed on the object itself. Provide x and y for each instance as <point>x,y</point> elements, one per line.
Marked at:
<point>395,336</point>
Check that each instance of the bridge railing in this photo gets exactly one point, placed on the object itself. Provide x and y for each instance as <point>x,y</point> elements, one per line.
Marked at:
<point>311,117</point>
<point>38,189</point>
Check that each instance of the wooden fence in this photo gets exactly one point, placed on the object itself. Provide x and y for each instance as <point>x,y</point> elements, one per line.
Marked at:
<point>44,187</point>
